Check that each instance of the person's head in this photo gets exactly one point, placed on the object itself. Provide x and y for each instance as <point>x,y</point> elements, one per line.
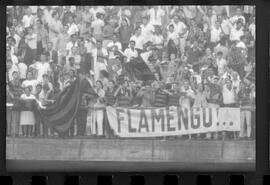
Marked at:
<point>15,75</point>
<point>70,19</point>
<point>71,61</point>
<point>132,44</point>
<point>39,23</point>
<point>27,90</point>
<point>43,57</point>
<point>74,50</point>
<point>38,88</point>
<point>28,11</point>
<point>208,51</point>
<point>219,54</point>
<point>73,37</point>
<point>209,12</point>
<point>217,24</point>
<point>111,84</point>
<point>50,46</point>
<point>172,56</point>
<point>45,88</point>
<point>83,50</point>
<point>11,41</point>
<point>99,84</point>
<point>138,31</point>
<point>171,28</point>
<point>99,44</point>
<point>145,20</point>
<point>239,24</point>
<point>157,76</point>
<point>186,84</point>
<point>155,85</point>
<point>63,61</point>
<point>176,18</point>
<point>216,80</point>
<point>243,38</point>
<point>30,30</point>
<point>228,83</point>
<point>124,22</point>
<point>71,73</point>
<point>55,15</point>
<point>157,29</point>
<point>29,75</point>
<point>12,30</point>
<point>45,78</point>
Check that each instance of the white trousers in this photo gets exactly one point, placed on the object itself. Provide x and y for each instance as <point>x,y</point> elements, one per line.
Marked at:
<point>245,116</point>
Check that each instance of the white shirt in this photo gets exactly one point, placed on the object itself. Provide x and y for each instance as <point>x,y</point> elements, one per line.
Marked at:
<point>10,71</point>
<point>97,26</point>
<point>73,28</point>
<point>235,18</point>
<point>130,53</point>
<point>22,70</point>
<point>27,20</point>
<point>252,30</point>
<point>14,59</point>
<point>221,64</point>
<point>179,27</point>
<point>138,41</point>
<point>42,68</point>
<point>236,34</point>
<point>32,83</point>
<point>215,34</point>
<point>172,36</point>
<point>241,44</point>
<point>155,16</point>
<point>226,26</point>
<point>31,40</point>
<point>228,95</point>
<point>71,45</point>
<point>147,31</point>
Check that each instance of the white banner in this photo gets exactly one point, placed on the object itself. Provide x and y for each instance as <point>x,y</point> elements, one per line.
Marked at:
<point>168,121</point>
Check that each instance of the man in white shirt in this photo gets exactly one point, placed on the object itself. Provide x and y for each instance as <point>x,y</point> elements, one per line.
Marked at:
<point>131,52</point>
<point>10,69</point>
<point>72,27</point>
<point>31,39</point>
<point>156,15</point>
<point>215,32</point>
<point>236,31</point>
<point>221,63</point>
<point>147,29</point>
<point>138,39</point>
<point>229,94</point>
<point>22,70</point>
<point>238,15</point>
<point>28,18</point>
<point>72,43</point>
<point>42,67</point>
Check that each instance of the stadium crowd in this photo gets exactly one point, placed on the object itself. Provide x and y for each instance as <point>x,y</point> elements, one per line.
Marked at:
<point>133,56</point>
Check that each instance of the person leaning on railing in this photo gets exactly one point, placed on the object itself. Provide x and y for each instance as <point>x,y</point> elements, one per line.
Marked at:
<point>245,101</point>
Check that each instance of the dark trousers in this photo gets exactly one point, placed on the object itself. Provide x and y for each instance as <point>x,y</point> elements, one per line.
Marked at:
<point>45,130</point>
<point>81,118</point>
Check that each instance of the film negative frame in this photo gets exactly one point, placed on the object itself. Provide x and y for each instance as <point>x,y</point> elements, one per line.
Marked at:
<point>259,176</point>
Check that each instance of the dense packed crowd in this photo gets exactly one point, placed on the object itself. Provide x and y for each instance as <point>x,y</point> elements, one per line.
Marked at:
<point>133,56</point>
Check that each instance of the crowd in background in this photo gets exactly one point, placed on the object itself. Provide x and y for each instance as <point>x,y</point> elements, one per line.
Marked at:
<point>133,56</point>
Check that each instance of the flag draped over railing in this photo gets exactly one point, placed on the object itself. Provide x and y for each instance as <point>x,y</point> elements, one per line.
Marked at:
<point>61,114</point>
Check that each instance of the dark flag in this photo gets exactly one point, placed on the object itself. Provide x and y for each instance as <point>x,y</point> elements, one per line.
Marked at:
<point>60,115</point>
<point>138,69</point>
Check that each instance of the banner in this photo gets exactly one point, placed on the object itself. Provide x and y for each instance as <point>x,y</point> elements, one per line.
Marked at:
<point>169,121</point>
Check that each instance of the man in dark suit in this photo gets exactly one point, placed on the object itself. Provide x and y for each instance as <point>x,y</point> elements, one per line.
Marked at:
<point>52,54</point>
<point>86,61</point>
<point>25,54</point>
